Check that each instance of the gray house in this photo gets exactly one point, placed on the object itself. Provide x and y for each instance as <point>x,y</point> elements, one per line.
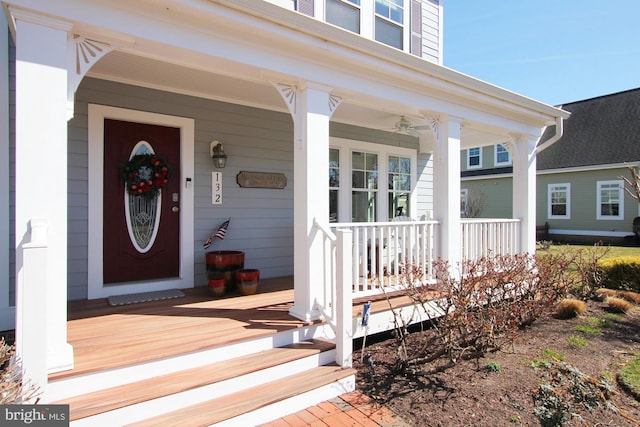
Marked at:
<point>334,117</point>
<point>580,186</point>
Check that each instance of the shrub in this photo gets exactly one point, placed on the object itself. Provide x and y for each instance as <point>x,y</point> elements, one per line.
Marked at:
<point>13,389</point>
<point>590,275</point>
<point>603,293</point>
<point>632,297</point>
<point>618,304</point>
<point>483,309</point>
<point>492,367</point>
<point>570,307</point>
<point>621,273</point>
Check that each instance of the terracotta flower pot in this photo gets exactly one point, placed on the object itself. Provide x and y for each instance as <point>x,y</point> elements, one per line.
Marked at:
<point>247,281</point>
<point>217,287</point>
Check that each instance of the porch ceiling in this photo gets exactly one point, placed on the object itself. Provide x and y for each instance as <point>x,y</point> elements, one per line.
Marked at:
<point>240,84</point>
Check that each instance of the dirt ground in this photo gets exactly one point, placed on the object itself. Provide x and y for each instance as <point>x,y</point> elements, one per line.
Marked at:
<point>472,394</point>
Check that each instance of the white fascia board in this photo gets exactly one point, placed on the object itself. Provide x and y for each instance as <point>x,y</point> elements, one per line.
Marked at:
<point>588,168</point>
<point>274,39</point>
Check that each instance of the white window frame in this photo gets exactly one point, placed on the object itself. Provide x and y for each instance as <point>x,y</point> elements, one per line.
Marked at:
<point>347,147</point>
<point>551,188</point>
<point>404,26</point>
<point>495,156</point>
<point>469,166</point>
<point>600,185</point>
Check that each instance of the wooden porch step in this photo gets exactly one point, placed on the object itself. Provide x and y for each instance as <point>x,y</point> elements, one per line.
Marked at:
<point>113,398</point>
<point>233,405</point>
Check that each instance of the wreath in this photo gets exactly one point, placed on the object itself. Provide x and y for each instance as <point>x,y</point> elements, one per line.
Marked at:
<point>145,175</point>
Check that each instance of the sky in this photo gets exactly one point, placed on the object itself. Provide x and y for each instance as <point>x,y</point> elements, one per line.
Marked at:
<point>554,51</point>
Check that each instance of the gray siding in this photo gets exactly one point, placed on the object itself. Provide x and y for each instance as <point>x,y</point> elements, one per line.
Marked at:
<point>254,139</point>
<point>431,37</point>
<point>583,214</point>
<point>498,193</point>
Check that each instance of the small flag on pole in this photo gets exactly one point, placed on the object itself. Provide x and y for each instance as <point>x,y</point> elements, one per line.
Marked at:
<point>219,234</point>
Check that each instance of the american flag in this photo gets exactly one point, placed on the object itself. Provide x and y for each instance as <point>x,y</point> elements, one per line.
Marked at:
<point>219,234</point>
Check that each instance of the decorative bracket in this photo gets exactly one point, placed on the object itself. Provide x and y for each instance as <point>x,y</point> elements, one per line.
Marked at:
<point>85,52</point>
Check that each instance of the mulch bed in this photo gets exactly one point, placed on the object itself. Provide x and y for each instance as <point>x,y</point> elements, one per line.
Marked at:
<point>470,394</point>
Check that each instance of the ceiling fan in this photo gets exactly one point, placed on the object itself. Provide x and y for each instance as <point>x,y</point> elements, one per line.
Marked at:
<point>404,126</point>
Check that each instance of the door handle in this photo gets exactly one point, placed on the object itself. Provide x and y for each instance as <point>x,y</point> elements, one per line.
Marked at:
<point>175,209</point>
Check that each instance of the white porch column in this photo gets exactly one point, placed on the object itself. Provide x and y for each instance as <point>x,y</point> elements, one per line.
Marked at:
<point>311,107</point>
<point>446,189</point>
<point>524,190</point>
<point>41,164</point>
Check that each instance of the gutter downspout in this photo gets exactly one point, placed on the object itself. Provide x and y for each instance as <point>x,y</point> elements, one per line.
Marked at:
<point>554,138</point>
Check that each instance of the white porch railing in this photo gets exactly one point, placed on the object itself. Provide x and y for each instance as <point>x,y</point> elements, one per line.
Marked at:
<point>481,237</point>
<point>381,251</point>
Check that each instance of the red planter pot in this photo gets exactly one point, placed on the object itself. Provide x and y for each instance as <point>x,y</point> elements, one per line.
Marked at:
<point>247,281</point>
<point>217,287</point>
<point>224,264</point>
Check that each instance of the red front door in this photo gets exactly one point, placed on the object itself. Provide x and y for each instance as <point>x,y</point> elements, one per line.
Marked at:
<point>141,235</point>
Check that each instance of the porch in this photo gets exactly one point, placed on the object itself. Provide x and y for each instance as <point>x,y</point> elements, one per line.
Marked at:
<point>199,360</point>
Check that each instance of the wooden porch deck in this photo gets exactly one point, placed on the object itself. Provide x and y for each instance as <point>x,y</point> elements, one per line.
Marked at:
<point>105,337</point>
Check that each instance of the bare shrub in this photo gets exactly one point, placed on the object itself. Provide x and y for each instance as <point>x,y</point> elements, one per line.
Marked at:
<point>570,307</point>
<point>590,274</point>
<point>12,387</point>
<point>618,304</point>
<point>481,310</point>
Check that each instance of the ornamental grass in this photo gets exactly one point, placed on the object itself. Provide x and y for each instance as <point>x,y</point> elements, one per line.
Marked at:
<point>570,307</point>
<point>619,304</point>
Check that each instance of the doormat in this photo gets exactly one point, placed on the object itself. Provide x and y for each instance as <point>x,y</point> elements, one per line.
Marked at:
<point>145,297</point>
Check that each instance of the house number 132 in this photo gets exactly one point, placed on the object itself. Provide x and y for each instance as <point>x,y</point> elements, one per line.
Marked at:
<point>216,188</point>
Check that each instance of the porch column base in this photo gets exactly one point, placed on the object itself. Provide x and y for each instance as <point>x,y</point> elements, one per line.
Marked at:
<point>305,315</point>
<point>60,358</point>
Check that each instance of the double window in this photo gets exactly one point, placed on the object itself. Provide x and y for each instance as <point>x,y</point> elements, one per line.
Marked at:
<point>610,204</point>
<point>380,186</point>
<point>384,23</point>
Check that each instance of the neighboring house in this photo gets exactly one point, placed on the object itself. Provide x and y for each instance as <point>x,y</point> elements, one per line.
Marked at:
<point>580,186</point>
<point>349,103</point>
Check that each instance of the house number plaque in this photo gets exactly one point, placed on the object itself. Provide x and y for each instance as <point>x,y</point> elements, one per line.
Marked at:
<point>216,188</point>
<point>261,180</point>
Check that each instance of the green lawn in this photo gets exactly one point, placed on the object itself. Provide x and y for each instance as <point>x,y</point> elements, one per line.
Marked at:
<point>613,251</point>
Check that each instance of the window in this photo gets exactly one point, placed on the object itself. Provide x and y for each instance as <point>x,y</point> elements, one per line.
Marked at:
<point>610,200</point>
<point>334,183</point>
<point>559,201</point>
<point>464,195</point>
<point>364,186</point>
<point>399,186</point>
<point>389,22</point>
<point>379,183</point>
<point>344,14</point>
<point>474,158</point>
<point>502,156</point>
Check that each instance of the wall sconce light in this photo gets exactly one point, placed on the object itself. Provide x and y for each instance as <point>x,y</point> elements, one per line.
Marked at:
<point>217,154</point>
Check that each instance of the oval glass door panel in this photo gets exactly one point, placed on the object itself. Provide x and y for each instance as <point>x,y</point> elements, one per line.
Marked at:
<point>142,212</point>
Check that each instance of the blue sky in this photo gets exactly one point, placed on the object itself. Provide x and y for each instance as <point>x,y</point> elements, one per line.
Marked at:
<point>554,51</point>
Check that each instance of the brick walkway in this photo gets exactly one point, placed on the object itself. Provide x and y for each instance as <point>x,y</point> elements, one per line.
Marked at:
<point>352,409</point>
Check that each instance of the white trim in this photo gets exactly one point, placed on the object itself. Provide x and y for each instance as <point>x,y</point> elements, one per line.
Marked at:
<point>587,168</point>
<point>550,189</point>
<point>621,193</point>
<point>479,165</point>
<point>97,114</point>
<point>591,233</point>
<point>346,147</point>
